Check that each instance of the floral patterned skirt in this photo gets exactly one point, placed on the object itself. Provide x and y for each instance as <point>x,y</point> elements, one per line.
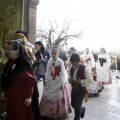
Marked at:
<point>57,108</point>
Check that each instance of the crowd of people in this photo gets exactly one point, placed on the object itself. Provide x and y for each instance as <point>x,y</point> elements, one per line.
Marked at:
<point>83,75</point>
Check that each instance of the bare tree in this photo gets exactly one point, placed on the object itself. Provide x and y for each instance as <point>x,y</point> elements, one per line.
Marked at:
<point>54,36</point>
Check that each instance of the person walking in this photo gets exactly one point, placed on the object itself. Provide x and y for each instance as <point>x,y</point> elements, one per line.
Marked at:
<point>42,56</point>
<point>19,84</point>
<point>80,78</point>
<point>103,68</point>
<point>55,102</point>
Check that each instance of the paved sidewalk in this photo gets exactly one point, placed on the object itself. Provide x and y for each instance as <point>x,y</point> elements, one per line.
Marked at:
<point>104,107</point>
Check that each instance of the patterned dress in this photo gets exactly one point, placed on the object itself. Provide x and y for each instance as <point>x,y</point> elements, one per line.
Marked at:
<point>55,102</point>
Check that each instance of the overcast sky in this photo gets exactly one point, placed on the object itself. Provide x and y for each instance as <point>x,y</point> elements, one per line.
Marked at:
<point>100,20</point>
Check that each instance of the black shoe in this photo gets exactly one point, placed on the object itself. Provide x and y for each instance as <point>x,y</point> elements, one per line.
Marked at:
<point>96,94</point>
<point>99,91</point>
<point>83,112</point>
<point>117,77</point>
<point>91,95</point>
<point>102,87</point>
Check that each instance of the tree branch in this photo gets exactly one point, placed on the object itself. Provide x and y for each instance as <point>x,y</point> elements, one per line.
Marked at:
<point>55,38</point>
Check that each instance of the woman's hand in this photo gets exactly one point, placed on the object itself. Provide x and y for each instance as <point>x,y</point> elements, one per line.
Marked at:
<point>3,96</point>
<point>27,102</point>
<point>41,56</point>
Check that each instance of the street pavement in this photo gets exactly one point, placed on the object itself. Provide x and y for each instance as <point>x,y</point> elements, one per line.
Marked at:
<point>104,107</point>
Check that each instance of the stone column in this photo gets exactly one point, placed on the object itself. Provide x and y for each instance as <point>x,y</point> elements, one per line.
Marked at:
<point>32,20</point>
<point>26,15</point>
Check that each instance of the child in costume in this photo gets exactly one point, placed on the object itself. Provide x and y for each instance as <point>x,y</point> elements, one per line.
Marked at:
<point>80,78</point>
<point>94,88</point>
<point>55,102</point>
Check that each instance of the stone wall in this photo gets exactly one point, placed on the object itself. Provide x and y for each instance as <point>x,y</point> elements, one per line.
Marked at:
<point>11,20</point>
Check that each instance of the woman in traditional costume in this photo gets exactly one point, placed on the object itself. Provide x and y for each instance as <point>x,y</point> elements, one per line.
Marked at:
<point>55,102</point>
<point>22,37</point>
<point>103,69</point>
<point>19,85</point>
<point>72,51</point>
<point>88,59</point>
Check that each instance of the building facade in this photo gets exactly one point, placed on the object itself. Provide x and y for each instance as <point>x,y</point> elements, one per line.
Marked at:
<point>16,15</point>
